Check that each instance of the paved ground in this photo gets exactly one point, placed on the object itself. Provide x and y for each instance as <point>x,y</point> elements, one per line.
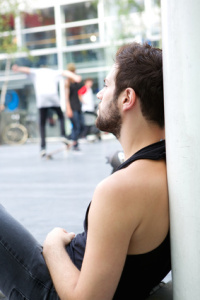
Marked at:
<point>42,193</point>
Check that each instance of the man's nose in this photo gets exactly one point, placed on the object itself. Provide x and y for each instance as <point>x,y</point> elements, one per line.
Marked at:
<point>99,95</point>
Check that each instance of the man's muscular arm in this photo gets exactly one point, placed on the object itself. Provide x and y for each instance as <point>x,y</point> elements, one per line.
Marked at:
<point>109,227</point>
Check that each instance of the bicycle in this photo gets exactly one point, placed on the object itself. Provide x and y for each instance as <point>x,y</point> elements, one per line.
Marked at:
<point>17,132</point>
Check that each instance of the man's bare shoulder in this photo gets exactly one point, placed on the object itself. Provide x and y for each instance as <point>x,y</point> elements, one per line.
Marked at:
<point>136,198</point>
<point>142,180</point>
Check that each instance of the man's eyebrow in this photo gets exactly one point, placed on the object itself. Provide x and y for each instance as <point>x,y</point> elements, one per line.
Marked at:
<point>106,80</point>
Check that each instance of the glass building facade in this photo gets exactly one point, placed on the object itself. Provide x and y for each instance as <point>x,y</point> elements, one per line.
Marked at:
<point>86,33</point>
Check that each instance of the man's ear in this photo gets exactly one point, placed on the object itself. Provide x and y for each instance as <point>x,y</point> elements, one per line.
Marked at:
<point>129,99</point>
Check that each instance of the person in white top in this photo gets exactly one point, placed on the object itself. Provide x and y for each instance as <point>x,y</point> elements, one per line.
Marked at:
<point>88,108</point>
<point>86,96</point>
<point>45,82</point>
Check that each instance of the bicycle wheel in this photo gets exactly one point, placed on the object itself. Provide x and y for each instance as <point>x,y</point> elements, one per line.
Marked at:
<point>15,134</point>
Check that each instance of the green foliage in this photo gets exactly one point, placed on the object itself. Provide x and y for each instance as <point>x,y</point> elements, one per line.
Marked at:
<point>157,2</point>
<point>7,45</point>
<point>7,39</point>
<point>9,9</point>
<point>125,6</point>
<point>12,7</point>
<point>123,11</point>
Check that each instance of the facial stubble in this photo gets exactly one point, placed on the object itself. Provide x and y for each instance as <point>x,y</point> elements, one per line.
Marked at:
<point>111,121</point>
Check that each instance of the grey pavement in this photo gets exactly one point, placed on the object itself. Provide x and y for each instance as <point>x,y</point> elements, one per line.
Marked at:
<point>43,194</point>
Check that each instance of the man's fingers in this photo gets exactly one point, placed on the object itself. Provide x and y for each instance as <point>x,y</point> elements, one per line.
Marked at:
<point>71,235</point>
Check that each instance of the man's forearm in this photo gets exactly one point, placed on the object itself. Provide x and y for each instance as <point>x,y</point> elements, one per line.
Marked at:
<point>67,101</point>
<point>23,69</point>
<point>71,75</point>
<point>63,272</point>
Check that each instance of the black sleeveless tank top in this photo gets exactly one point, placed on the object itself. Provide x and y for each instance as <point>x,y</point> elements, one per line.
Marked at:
<point>141,272</point>
<point>73,97</point>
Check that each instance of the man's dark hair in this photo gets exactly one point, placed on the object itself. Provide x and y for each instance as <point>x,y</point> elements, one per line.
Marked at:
<point>140,68</point>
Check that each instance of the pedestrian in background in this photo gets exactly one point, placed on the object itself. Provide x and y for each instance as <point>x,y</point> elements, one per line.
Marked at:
<point>88,108</point>
<point>73,106</point>
<point>45,82</point>
<point>86,96</point>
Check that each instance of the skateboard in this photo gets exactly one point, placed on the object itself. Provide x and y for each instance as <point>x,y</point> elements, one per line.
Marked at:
<point>58,150</point>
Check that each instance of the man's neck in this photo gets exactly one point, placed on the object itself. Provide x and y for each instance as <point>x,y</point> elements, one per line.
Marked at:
<point>133,141</point>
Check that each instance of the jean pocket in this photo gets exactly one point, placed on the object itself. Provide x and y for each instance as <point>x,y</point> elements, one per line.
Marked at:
<point>17,295</point>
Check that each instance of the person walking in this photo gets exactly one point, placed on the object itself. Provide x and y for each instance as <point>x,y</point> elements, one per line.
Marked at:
<point>73,105</point>
<point>45,81</point>
<point>124,251</point>
<point>86,95</point>
<point>88,108</point>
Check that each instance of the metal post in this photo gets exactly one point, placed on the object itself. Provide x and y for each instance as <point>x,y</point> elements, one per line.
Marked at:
<point>181,44</point>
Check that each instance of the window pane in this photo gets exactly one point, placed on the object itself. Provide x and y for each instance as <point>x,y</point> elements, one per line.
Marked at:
<point>2,66</point>
<point>79,11</point>
<point>81,35</point>
<point>155,44</point>
<point>38,61</point>
<point>126,7</point>
<point>86,58</point>
<point>40,40</point>
<point>123,28</point>
<point>38,18</point>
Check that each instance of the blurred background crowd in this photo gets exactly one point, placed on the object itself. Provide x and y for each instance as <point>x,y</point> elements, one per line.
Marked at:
<point>54,34</point>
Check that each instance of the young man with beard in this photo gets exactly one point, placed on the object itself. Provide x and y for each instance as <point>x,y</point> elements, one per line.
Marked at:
<point>124,251</point>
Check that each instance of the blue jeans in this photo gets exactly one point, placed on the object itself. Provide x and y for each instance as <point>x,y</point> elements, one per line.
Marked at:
<point>23,271</point>
<point>43,114</point>
<point>78,125</point>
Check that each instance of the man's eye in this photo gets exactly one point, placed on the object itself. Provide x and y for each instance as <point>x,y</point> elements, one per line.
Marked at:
<point>105,85</point>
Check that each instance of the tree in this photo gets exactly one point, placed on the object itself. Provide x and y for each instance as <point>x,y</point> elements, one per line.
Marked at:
<point>120,21</point>
<point>129,19</point>
<point>9,10</point>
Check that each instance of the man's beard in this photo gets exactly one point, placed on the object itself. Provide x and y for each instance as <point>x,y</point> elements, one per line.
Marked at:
<point>110,122</point>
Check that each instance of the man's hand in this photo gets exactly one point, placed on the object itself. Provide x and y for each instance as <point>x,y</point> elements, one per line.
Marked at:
<point>57,237</point>
<point>15,68</point>
<point>69,113</point>
<point>2,107</point>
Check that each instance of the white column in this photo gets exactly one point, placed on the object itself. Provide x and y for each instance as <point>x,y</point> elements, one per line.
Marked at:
<point>18,30</point>
<point>59,52</point>
<point>181,44</point>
